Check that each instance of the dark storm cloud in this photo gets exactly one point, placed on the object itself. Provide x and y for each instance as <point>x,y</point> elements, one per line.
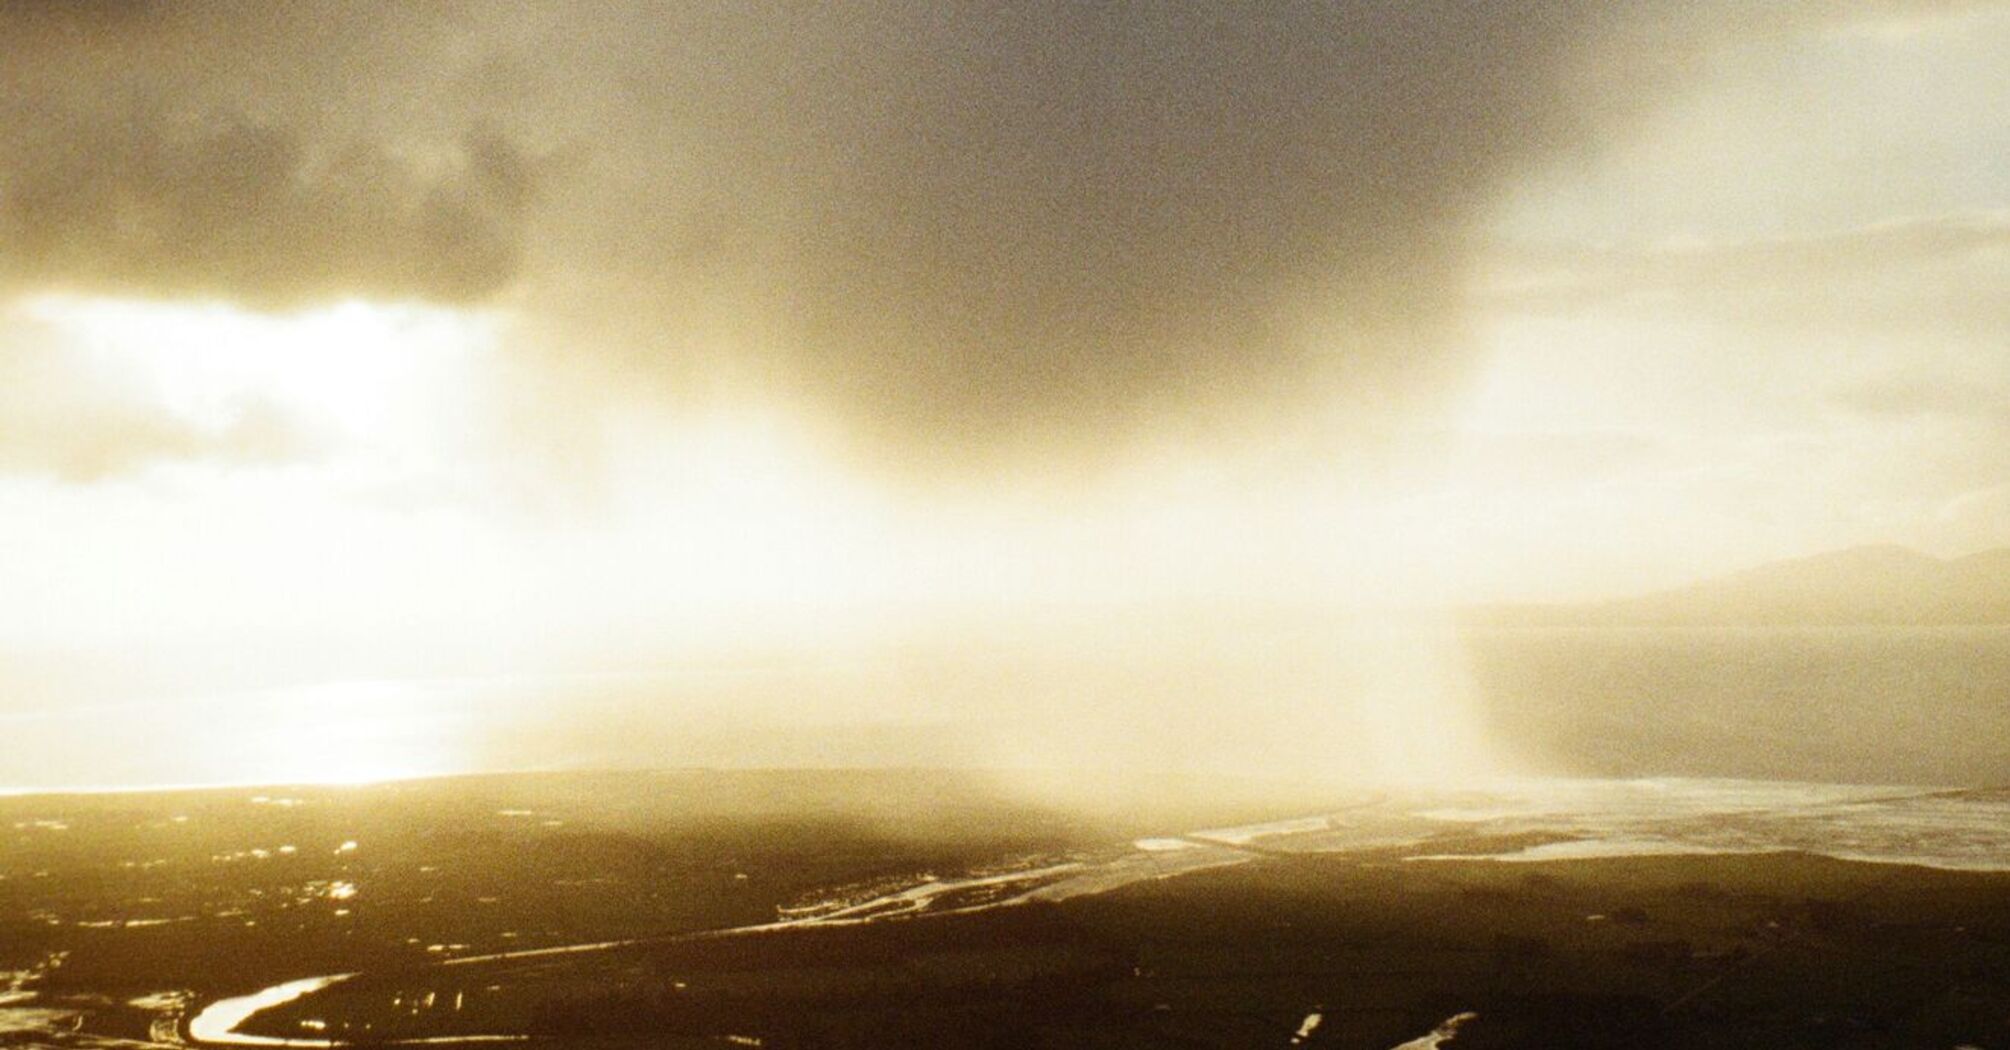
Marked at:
<point>956,225</point>
<point>987,224</point>
<point>226,151</point>
<point>226,207</point>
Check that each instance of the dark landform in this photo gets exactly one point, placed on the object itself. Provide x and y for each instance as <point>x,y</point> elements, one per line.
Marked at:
<point>123,913</point>
<point>218,889</point>
<point>1775,951</point>
<point>1885,586</point>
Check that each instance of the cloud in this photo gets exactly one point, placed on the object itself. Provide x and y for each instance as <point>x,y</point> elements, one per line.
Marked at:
<point>955,227</point>
<point>105,442</point>
<point>1969,395</point>
<point>1944,274</point>
<point>1977,519</point>
<point>220,151</point>
<point>63,421</point>
<point>227,207</point>
<point>959,229</point>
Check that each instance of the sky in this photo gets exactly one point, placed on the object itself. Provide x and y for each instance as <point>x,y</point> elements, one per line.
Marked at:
<point>850,345</point>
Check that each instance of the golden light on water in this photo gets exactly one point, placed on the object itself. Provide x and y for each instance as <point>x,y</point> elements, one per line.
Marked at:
<point>337,733</point>
<point>343,733</point>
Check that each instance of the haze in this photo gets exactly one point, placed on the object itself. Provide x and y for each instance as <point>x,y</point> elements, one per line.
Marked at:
<point>454,387</point>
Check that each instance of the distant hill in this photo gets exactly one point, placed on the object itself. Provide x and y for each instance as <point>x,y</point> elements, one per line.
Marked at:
<point>1884,585</point>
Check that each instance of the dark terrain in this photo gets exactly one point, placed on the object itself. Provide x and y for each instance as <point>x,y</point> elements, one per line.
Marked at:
<point>223,891</point>
<point>1775,952</point>
<point>124,913</point>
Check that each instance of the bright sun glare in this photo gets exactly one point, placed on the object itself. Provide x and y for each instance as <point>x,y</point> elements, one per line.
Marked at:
<point>342,733</point>
<point>365,371</point>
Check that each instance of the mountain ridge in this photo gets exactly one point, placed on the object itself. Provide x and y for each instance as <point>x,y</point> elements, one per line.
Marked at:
<point>1876,585</point>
